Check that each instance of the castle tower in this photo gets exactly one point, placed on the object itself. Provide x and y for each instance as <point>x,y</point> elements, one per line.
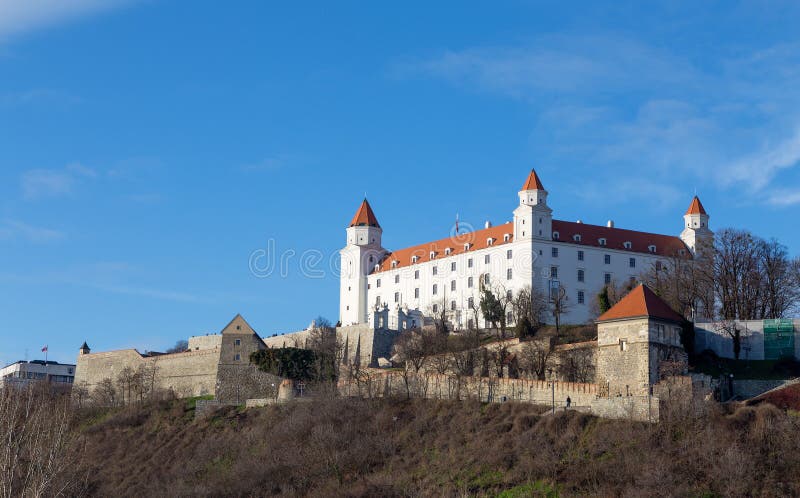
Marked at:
<point>638,344</point>
<point>84,349</point>
<point>533,219</point>
<point>696,232</point>
<point>358,258</point>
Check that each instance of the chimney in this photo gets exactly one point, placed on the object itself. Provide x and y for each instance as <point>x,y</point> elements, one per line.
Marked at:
<point>488,224</point>
<point>579,221</point>
<point>610,224</point>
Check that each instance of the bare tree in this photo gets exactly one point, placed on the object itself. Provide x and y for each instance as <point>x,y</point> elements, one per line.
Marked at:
<point>536,357</point>
<point>328,349</point>
<point>532,303</point>
<point>179,347</point>
<point>559,305</point>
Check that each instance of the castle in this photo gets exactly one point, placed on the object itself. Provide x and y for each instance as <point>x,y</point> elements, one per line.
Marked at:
<point>532,250</point>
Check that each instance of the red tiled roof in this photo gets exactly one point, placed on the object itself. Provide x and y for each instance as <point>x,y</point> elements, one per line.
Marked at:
<point>364,216</point>
<point>590,235</point>
<point>478,240</point>
<point>696,207</point>
<point>533,182</point>
<point>641,302</point>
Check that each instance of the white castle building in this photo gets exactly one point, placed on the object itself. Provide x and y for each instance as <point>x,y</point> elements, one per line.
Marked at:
<point>533,250</point>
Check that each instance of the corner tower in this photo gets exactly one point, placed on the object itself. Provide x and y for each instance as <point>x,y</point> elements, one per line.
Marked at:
<point>696,233</point>
<point>533,218</point>
<point>358,258</point>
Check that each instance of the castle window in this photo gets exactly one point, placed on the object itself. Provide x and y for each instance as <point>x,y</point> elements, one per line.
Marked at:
<point>414,259</point>
<point>453,266</point>
<point>397,297</point>
<point>394,264</point>
<point>416,274</point>
<point>452,285</point>
<point>452,305</point>
<point>447,251</point>
<point>490,241</point>
<point>469,263</point>
<point>435,289</point>
<point>471,302</point>
<point>467,246</point>
<point>433,255</point>
<point>576,237</point>
<point>237,342</point>
<point>470,324</point>
<point>371,259</point>
<point>237,357</point>
<point>486,279</point>
<point>540,221</point>
<point>607,278</point>
<point>580,276</point>
<point>651,248</point>
<point>554,252</point>
<point>435,270</point>
<point>580,255</point>
<point>378,283</point>
<point>607,259</point>
<point>509,317</point>
<point>556,235</point>
<point>486,259</point>
<point>506,237</point>
<point>435,308</point>
<point>601,241</point>
<point>623,345</point>
<point>509,295</point>
<point>509,254</point>
<point>553,272</point>
<point>469,282</point>
<point>581,297</point>
<point>632,262</point>
<point>627,245</point>
<point>238,327</point>
<point>377,267</point>
<point>416,292</point>
<point>508,274</point>
<point>397,279</point>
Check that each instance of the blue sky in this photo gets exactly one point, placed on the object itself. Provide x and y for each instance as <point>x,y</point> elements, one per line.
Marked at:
<point>151,150</point>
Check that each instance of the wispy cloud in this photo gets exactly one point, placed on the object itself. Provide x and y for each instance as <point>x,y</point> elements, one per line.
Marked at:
<point>41,183</point>
<point>644,114</point>
<point>21,16</point>
<point>14,229</point>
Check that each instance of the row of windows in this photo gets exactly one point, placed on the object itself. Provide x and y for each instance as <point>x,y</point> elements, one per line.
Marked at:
<point>470,300</point>
<point>606,257</point>
<point>509,275</point>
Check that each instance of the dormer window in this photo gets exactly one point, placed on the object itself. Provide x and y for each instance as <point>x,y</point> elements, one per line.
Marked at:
<point>377,268</point>
<point>447,251</point>
<point>433,255</point>
<point>682,252</point>
<point>414,259</point>
<point>506,237</point>
<point>651,248</point>
<point>394,264</point>
<point>627,245</point>
<point>601,241</point>
<point>467,246</point>
<point>489,241</point>
<point>576,237</point>
<point>556,235</point>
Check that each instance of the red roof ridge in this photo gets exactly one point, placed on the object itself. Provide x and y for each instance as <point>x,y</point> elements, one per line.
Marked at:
<point>533,182</point>
<point>479,239</point>
<point>641,302</point>
<point>364,216</point>
<point>696,207</point>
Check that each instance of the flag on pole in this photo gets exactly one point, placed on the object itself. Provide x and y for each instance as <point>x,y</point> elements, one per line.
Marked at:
<point>44,349</point>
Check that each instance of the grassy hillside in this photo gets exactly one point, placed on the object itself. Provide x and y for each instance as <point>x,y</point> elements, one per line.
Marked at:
<point>348,447</point>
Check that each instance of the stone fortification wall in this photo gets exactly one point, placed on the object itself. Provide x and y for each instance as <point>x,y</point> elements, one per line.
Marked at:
<point>209,341</point>
<point>360,343</point>
<point>191,373</point>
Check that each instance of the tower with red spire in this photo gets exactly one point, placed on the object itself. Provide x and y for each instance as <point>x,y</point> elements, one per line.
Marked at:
<point>358,258</point>
<point>696,232</point>
<point>533,218</point>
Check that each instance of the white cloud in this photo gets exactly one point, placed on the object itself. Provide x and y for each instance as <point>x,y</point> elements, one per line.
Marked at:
<point>634,111</point>
<point>14,229</point>
<point>42,183</point>
<point>20,16</point>
<point>784,198</point>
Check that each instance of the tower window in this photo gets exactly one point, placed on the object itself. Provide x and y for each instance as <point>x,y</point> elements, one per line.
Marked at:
<point>416,274</point>
<point>435,270</point>
<point>632,262</point>
<point>509,254</point>
<point>607,259</point>
<point>453,305</point>
<point>453,266</point>
<point>435,308</point>
<point>580,255</point>
<point>508,274</point>
<point>416,292</point>
<point>469,263</point>
<point>607,278</point>
<point>554,252</point>
<point>623,345</point>
<point>580,276</point>
<point>553,272</point>
<point>469,282</point>
<point>397,279</point>
<point>378,283</point>
<point>581,297</point>
<point>435,289</point>
<point>397,297</point>
<point>452,285</point>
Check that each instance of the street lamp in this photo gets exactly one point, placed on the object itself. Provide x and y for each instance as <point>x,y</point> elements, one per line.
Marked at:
<point>552,389</point>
